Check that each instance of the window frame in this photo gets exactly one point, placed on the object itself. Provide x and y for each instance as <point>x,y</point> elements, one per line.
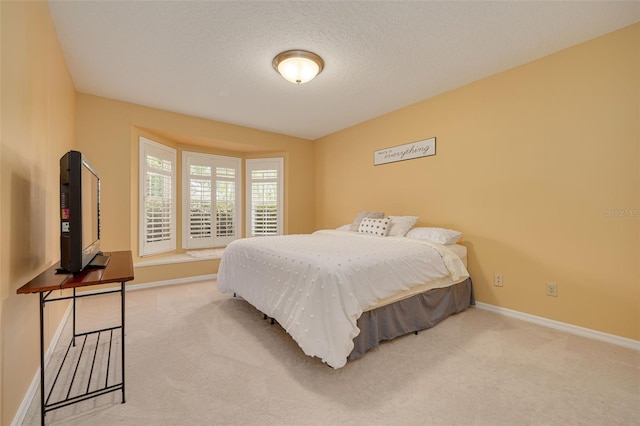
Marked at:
<point>256,164</point>
<point>149,147</point>
<point>214,161</point>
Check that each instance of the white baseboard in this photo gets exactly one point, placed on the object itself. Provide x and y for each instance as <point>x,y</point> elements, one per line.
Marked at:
<point>562,326</point>
<point>35,383</point>
<point>18,419</point>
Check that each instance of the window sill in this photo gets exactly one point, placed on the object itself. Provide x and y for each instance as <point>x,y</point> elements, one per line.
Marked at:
<point>190,256</point>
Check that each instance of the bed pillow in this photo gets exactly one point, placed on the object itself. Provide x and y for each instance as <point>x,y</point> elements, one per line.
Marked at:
<point>400,225</point>
<point>344,227</point>
<point>356,223</point>
<point>436,235</point>
<point>377,227</point>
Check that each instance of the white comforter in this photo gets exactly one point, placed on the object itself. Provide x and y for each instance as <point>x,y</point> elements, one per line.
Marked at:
<point>317,286</point>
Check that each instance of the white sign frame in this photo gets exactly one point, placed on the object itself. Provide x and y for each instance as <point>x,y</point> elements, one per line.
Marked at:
<point>409,151</point>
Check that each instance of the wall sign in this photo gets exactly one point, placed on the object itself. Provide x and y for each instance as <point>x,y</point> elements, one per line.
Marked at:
<point>419,149</point>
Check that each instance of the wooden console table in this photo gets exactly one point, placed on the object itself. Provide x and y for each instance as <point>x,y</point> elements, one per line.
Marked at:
<point>118,270</point>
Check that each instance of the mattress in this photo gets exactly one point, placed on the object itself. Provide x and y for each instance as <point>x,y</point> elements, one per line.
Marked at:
<point>458,249</point>
<point>317,286</point>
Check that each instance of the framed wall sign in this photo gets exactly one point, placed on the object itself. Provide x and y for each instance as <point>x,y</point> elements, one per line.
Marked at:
<point>409,151</point>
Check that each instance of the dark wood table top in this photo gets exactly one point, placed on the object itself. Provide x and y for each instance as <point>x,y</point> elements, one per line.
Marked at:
<point>118,270</point>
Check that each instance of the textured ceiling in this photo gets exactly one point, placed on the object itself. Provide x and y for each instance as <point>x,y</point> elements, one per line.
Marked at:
<point>212,59</point>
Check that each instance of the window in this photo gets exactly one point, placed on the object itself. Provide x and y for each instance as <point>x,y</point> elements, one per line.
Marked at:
<point>264,197</point>
<point>211,200</point>
<point>157,198</point>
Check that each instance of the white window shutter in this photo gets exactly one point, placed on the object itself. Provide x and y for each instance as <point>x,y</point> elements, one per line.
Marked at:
<point>265,197</point>
<point>211,200</point>
<point>157,198</point>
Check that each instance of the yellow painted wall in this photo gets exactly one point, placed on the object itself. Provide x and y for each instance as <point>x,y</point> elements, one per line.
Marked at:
<point>538,166</point>
<point>108,133</point>
<point>37,128</point>
<point>534,165</point>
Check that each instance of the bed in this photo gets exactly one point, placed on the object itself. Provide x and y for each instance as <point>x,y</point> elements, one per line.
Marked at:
<point>340,293</point>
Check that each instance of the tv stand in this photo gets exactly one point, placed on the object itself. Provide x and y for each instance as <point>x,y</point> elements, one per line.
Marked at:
<point>118,269</point>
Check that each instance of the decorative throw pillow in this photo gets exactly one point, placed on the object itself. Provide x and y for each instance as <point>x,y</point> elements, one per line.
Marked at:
<point>356,223</point>
<point>400,225</point>
<point>436,235</point>
<point>377,227</point>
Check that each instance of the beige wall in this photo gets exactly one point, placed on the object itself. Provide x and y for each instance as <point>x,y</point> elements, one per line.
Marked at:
<point>108,132</point>
<point>531,164</point>
<point>37,128</point>
<point>42,116</point>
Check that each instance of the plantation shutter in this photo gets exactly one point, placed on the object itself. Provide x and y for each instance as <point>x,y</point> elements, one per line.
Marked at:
<point>199,197</point>
<point>210,213</point>
<point>157,198</point>
<point>265,199</point>
<point>227,211</point>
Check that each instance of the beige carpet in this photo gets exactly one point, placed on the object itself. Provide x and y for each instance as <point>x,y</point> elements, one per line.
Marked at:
<point>198,357</point>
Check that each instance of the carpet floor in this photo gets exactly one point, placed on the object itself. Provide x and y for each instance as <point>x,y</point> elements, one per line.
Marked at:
<point>195,356</point>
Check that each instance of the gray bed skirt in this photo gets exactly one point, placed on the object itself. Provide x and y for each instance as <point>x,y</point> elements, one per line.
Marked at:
<point>410,315</point>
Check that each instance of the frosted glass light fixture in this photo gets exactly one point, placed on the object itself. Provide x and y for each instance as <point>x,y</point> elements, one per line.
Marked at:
<point>298,66</point>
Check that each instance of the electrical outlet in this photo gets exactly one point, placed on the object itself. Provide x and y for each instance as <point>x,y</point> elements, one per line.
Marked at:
<point>552,289</point>
<point>497,280</point>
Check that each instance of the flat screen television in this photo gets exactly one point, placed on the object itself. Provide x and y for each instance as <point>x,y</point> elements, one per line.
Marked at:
<point>79,214</point>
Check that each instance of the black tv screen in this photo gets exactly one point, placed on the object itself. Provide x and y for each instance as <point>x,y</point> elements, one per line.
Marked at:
<point>79,212</point>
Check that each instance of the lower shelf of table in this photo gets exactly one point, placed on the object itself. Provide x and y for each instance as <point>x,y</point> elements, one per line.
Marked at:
<point>90,368</point>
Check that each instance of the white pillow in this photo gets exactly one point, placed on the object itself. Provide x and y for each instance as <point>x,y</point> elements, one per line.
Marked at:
<point>344,227</point>
<point>400,225</point>
<point>377,227</point>
<point>436,235</point>
<point>356,222</point>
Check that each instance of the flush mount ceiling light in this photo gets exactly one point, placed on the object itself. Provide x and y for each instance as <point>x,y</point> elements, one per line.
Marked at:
<point>298,66</point>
